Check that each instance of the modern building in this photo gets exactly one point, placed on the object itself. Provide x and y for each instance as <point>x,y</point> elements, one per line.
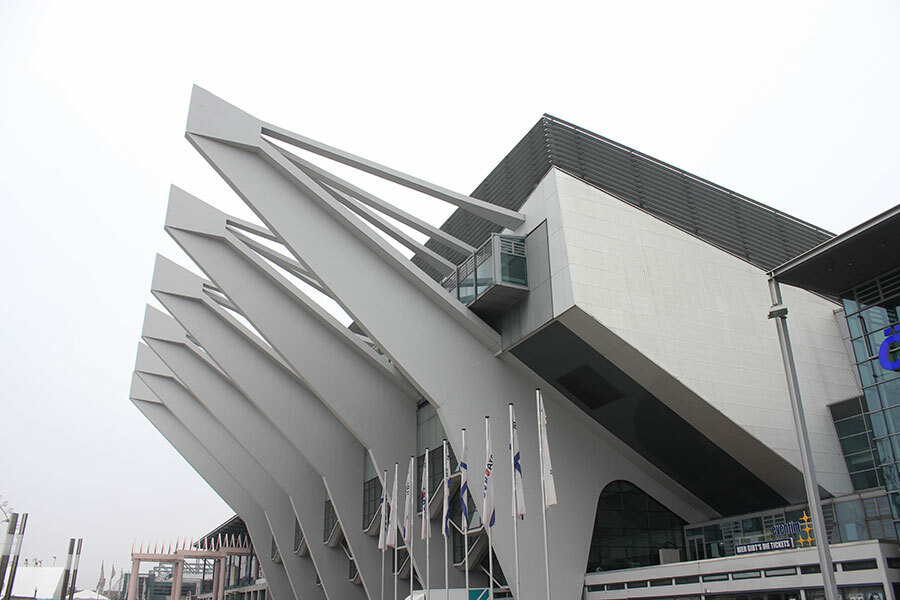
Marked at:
<point>633,294</point>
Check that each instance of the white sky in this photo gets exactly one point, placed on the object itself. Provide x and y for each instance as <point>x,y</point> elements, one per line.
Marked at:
<point>794,104</point>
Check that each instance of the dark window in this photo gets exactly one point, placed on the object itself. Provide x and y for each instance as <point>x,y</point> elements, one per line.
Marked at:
<point>637,584</point>
<point>660,582</point>
<point>859,565</point>
<point>716,577</point>
<point>371,500</point>
<point>781,572</point>
<point>631,528</point>
<point>746,575</point>
<point>893,562</point>
<point>615,586</point>
<point>687,579</point>
<point>330,520</point>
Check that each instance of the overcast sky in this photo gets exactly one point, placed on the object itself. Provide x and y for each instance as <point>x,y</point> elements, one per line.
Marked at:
<point>794,104</point>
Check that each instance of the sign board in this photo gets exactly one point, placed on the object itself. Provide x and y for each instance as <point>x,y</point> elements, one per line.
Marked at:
<point>782,544</point>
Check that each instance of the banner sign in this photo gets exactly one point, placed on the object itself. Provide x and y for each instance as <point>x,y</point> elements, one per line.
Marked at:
<point>783,544</point>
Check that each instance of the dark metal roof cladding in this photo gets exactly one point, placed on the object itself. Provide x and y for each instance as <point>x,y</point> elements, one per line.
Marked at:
<point>752,231</point>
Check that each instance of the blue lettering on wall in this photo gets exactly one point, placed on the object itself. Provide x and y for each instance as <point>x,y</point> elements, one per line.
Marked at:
<point>884,352</point>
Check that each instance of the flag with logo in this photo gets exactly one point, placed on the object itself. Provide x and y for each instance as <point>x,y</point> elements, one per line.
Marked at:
<point>464,484</point>
<point>487,506</point>
<point>426,522</point>
<point>445,518</point>
<point>383,529</point>
<point>391,536</point>
<point>518,497</point>
<point>408,506</point>
<point>547,475</point>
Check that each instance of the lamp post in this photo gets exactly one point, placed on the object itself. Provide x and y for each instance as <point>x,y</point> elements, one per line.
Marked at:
<point>779,312</point>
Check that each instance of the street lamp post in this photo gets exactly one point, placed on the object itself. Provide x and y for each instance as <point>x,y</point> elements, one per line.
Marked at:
<point>779,312</point>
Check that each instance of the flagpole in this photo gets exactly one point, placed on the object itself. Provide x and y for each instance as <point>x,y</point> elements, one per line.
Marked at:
<point>464,500</point>
<point>412,527</point>
<point>426,524</point>
<point>539,403</point>
<point>515,496</point>
<point>486,519</point>
<point>382,532</point>
<point>445,524</point>
<point>393,508</point>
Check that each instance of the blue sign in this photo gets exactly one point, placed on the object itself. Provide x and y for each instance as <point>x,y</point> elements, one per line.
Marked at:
<point>884,352</point>
<point>783,529</point>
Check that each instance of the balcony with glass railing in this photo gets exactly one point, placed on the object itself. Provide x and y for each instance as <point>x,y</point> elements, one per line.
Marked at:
<point>492,278</point>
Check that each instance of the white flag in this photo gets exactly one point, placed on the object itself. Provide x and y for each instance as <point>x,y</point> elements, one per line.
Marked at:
<point>426,522</point>
<point>487,507</point>
<point>382,533</point>
<point>464,484</point>
<point>391,537</point>
<point>518,496</point>
<point>549,487</point>
<point>408,506</point>
<point>445,518</point>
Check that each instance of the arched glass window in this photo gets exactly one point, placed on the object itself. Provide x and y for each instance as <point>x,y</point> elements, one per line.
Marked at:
<point>631,528</point>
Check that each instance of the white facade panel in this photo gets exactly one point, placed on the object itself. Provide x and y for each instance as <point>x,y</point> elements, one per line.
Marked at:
<point>699,314</point>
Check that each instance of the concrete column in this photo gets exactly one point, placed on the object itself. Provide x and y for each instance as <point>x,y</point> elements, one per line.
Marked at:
<point>223,578</point>
<point>133,580</point>
<point>178,572</point>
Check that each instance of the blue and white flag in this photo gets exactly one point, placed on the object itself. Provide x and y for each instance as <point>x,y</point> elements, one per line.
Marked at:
<point>382,534</point>
<point>464,484</point>
<point>518,496</point>
<point>488,514</point>
<point>445,519</point>
<point>391,537</point>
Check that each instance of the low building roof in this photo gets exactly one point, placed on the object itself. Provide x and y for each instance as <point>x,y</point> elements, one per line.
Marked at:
<point>847,260</point>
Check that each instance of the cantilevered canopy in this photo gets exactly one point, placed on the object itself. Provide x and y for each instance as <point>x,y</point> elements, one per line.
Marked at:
<point>858,255</point>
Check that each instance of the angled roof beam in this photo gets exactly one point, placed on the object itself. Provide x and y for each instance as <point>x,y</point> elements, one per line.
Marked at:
<point>254,229</point>
<point>190,221</point>
<point>289,264</point>
<point>427,254</point>
<point>278,393</point>
<point>220,481</point>
<point>262,440</point>
<point>495,214</point>
<point>236,460</point>
<point>335,182</point>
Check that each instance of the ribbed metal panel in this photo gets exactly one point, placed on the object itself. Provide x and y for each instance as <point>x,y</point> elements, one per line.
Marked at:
<point>758,234</point>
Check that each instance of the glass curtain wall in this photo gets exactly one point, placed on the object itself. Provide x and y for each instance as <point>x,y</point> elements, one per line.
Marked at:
<point>873,318</point>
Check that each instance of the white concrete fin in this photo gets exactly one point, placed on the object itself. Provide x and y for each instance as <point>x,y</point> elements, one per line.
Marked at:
<point>495,214</point>
<point>410,220</point>
<point>148,362</point>
<point>380,223</point>
<point>140,391</point>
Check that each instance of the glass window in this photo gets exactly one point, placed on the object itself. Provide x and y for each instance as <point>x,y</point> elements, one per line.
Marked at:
<point>851,426</point>
<point>781,572</point>
<point>513,269</point>
<point>330,520</point>
<point>484,276</point>
<point>746,575</point>
<point>630,529</point>
<point>466,288</point>
<point>860,462</point>
<point>864,480</point>
<point>855,443</point>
